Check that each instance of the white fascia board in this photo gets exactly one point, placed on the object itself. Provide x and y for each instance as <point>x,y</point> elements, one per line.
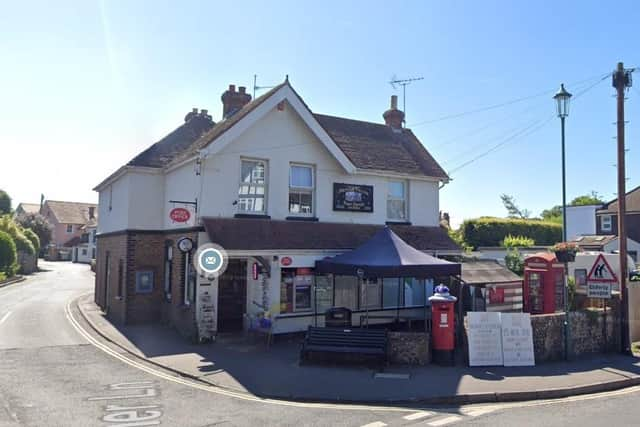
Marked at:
<point>122,171</point>
<point>388,174</point>
<point>284,93</point>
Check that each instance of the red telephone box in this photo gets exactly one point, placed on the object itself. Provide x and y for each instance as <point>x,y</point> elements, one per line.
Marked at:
<point>442,325</point>
<point>543,284</point>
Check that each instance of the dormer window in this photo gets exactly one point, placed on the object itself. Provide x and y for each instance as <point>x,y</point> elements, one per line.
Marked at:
<point>252,195</point>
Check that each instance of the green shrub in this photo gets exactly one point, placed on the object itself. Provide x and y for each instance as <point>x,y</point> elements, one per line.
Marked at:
<point>489,231</point>
<point>33,238</point>
<point>8,254</point>
<point>514,262</point>
<point>23,244</point>
<point>517,242</point>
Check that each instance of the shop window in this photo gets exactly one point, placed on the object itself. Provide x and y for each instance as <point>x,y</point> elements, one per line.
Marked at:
<point>397,201</point>
<point>346,292</point>
<point>252,192</point>
<point>391,298</point>
<point>606,222</point>
<point>301,188</point>
<point>296,289</point>
<point>120,278</point>
<point>168,269</point>
<point>323,293</point>
<point>370,294</point>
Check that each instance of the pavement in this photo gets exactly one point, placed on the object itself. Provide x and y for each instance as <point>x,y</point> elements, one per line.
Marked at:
<point>246,365</point>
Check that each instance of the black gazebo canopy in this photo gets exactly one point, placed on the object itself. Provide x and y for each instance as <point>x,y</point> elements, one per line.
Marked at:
<point>387,255</point>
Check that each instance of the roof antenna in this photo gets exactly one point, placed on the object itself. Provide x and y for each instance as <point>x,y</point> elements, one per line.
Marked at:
<point>256,87</point>
<point>403,82</point>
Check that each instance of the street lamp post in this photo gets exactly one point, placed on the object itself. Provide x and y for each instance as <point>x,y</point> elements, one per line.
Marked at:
<point>562,99</point>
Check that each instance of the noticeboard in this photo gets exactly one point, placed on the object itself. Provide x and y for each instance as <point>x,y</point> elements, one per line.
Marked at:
<point>484,335</point>
<point>517,339</point>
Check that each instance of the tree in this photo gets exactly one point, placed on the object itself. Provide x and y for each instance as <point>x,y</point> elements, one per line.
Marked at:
<point>554,214</point>
<point>513,209</point>
<point>592,198</point>
<point>5,203</point>
<point>39,225</point>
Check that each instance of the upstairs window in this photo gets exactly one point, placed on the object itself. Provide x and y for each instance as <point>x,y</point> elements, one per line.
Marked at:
<point>301,188</point>
<point>605,223</point>
<point>69,228</point>
<point>397,201</point>
<point>253,187</point>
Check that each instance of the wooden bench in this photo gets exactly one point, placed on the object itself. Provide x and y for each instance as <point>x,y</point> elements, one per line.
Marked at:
<point>371,343</point>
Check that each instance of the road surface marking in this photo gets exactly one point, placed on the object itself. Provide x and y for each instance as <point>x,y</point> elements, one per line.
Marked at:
<point>417,415</point>
<point>5,317</point>
<point>479,411</point>
<point>210,388</point>
<point>375,424</point>
<point>444,421</point>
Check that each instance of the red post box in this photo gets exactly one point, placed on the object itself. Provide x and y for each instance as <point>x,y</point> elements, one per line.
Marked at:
<point>442,325</point>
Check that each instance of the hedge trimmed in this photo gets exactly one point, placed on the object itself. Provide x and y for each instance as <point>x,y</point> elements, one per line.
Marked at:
<point>489,231</point>
<point>8,255</point>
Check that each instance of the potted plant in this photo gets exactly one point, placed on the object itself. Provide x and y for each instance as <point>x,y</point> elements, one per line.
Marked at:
<point>565,251</point>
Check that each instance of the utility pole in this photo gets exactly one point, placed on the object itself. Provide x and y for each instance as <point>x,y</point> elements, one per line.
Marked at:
<point>621,81</point>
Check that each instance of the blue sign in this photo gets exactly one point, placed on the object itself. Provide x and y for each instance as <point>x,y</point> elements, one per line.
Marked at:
<point>210,260</point>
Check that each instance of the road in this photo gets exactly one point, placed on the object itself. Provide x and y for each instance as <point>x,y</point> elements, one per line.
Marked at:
<point>52,373</point>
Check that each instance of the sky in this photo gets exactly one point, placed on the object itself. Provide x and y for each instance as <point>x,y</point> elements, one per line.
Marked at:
<point>86,85</point>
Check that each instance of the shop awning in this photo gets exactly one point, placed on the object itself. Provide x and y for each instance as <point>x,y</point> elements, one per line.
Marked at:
<point>387,255</point>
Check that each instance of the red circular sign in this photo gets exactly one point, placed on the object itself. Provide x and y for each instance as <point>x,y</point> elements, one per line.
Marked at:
<point>286,261</point>
<point>179,215</point>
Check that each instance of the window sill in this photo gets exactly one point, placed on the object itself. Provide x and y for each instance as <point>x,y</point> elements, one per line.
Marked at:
<point>302,218</point>
<point>254,216</point>
<point>398,222</point>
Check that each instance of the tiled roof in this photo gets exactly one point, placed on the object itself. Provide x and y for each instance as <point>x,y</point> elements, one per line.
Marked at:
<point>172,145</point>
<point>487,272</point>
<point>373,146</point>
<point>593,240</point>
<point>632,199</point>
<point>376,146</point>
<point>71,212</point>
<point>265,234</point>
<point>29,207</point>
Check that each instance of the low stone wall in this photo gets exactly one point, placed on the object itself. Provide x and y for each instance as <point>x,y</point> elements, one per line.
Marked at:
<point>28,263</point>
<point>587,332</point>
<point>409,348</point>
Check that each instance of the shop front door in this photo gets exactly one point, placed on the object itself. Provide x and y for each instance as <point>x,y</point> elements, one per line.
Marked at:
<point>232,296</point>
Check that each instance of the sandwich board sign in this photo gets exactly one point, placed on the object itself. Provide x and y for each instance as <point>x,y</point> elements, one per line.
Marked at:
<point>485,339</point>
<point>517,340</point>
<point>600,279</point>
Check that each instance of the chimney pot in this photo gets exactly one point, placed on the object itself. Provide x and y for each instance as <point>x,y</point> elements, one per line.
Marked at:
<point>232,88</point>
<point>394,102</point>
<point>242,89</point>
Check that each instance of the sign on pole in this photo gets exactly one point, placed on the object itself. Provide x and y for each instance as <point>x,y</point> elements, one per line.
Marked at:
<point>600,279</point>
<point>485,339</point>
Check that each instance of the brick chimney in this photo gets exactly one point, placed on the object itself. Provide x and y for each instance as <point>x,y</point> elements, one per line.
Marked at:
<point>394,117</point>
<point>232,101</point>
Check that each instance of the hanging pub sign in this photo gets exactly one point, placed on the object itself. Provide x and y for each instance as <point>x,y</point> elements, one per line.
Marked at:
<point>352,197</point>
<point>181,215</point>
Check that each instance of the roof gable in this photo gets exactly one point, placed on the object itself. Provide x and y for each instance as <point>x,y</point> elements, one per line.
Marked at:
<point>632,199</point>
<point>71,212</point>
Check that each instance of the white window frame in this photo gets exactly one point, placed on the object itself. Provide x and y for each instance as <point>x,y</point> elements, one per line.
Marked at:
<point>405,190</point>
<point>309,190</point>
<point>265,186</point>
<point>69,226</point>
<point>608,222</point>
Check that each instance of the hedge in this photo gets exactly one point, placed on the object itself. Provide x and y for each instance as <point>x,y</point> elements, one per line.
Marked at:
<point>8,255</point>
<point>33,237</point>
<point>489,231</point>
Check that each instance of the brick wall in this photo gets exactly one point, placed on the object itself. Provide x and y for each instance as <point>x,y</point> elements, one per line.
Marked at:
<point>143,251</point>
<point>112,249</point>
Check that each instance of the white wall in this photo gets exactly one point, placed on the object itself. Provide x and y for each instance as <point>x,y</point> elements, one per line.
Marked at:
<point>118,217</point>
<point>280,138</point>
<point>581,221</point>
<point>146,195</point>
